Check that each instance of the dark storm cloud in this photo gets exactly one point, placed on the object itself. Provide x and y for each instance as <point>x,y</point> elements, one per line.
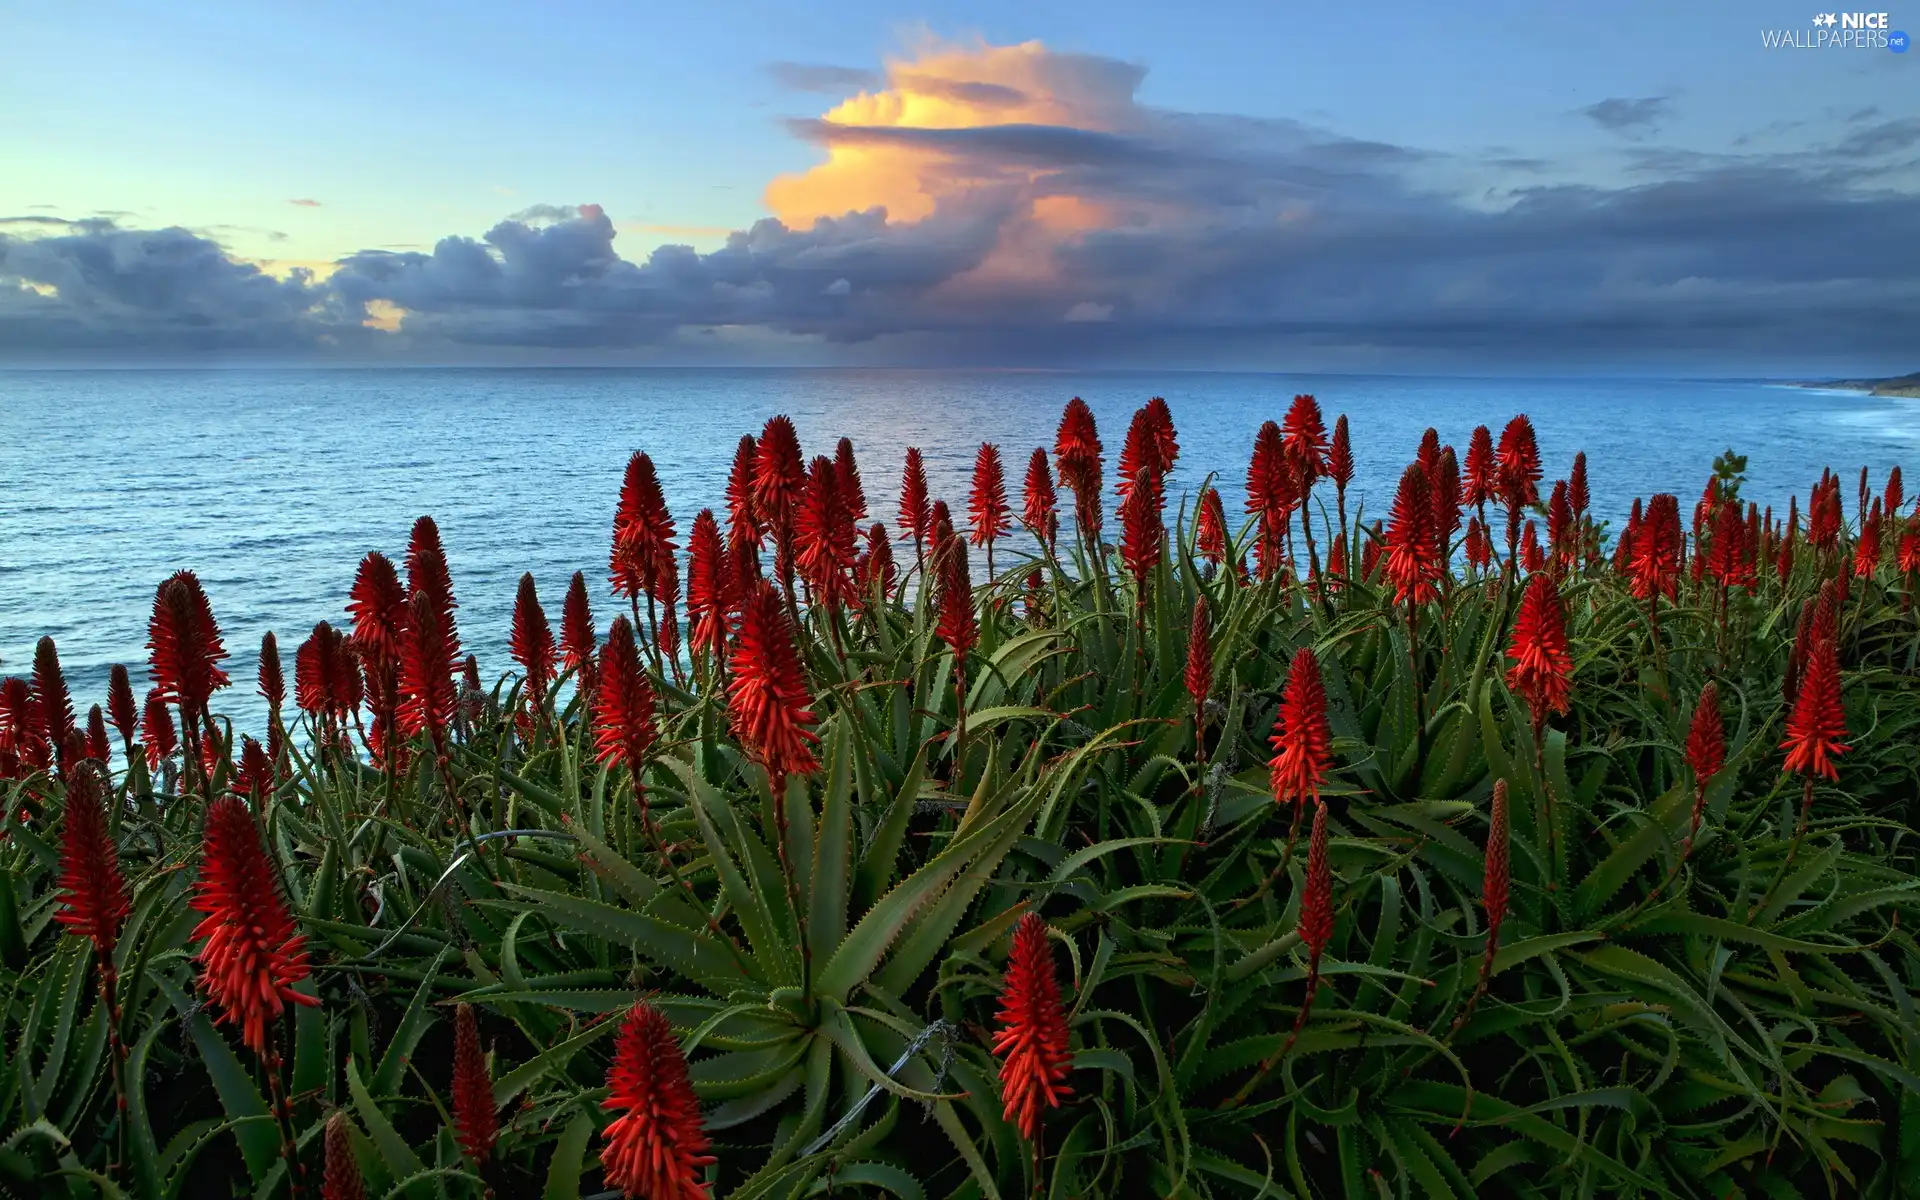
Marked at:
<point>1214,239</point>
<point>1629,115</point>
<point>822,78</point>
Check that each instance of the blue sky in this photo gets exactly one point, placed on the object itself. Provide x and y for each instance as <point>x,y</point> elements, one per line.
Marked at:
<point>343,138</point>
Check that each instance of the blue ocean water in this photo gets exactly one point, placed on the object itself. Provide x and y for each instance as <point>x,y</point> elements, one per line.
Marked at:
<point>273,484</point>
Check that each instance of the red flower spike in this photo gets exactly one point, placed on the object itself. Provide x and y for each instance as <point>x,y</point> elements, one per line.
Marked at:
<point>1866,552</point>
<point>184,645</point>
<point>431,656</point>
<point>378,606</point>
<point>914,512</point>
<point>1532,557</point>
<point>957,625</point>
<point>1428,455</point>
<point>1210,532</point>
<point>1076,452</point>
<point>1818,721</point>
<point>1032,1039</point>
<point>315,664</point>
<point>1656,549</point>
<point>743,523</point>
<point>1336,561</point>
<point>1908,555</point>
<point>1141,530</point>
<point>1199,672</point>
<point>98,749</point>
<point>939,525</point>
<point>23,743</point>
<point>273,684</point>
<point>768,698</point>
<point>624,705</point>
<point>1165,441</point>
<point>1270,480</point>
<point>1302,739</point>
<point>1542,671</point>
<point>1518,463</point>
<point>1446,498</point>
<point>577,638</point>
<point>1560,525</point>
<point>1479,547</point>
<point>93,895</point>
<point>1340,455</point>
<point>475,1120</point>
<point>50,689</point>
<point>342,1180</point>
<point>427,569</point>
<point>708,584</point>
<point>874,572</point>
<point>120,708</point>
<point>1138,452</point>
<point>1041,508</point>
<point>255,775</point>
<point>250,957</point>
<point>779,475</point>
<point>157,731</point>
<point>1496,882</point>
<point>1305,435</point>
<point>1316,900</point>
<point>1577,485</point>
<point>992,519</point>
<point>1412,557</point>
<point>656,1147</point>
<point>1482,475</point>
<point>1895,492</point>
<point>641,558</point>
<point>531,642</point>
<point>851,490</point>
<point>825,537</point>
<point>1706,737</point>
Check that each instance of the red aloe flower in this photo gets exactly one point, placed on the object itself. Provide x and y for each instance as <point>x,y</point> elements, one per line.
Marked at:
<point>1866,552</point>
<point>939,525</point>
<point>851,489</point>
<point>1270,482</point>
<point>427,569</point>
<point>656,1147</point>
<point>1656,549</point>
<point>768,698</point>
<point>1141,530</point>
<point>1165,441</point>
<point>98,748</point>
<point>1706,752</point>
<point>826,541</point>
<point>623,707</point>
<point>125,717</point>
<point>1482,475</point>
<point>378,605</point>
<point>1818,721</point>
<point>93,895</point>
<point>1032,1039</point>
<point>1532,557</point>
<point>1040,511</point>
<point>273,684</point>
<point>23,742</point>
<point>316,688</point>
<point>1577,485</point>
<point>1305,434</point>
<point>1428,455</point>
<point>475,1120</point>
<point>743,523</point>
<point>1519,463</point>
<point>987,500</point>
<point>431,656</point>
<point>1497,879</point>
<point>157,732</point>
<point>1413,558</point>
<point>1447,509</point>
<point>1542,671</point>
<point>1210,528</point>
<point>642,554</point>
<point>1336,561</point>
<point>914,512</point>
<point>1895,492</point>
<point>1199,672</point>
<point>1139,451</point>
<point>1316,901</point>
<point>1727,559</point>
<point>1076,451</point>
<point>1908,555</point>
<point>957,626</point>
<point>56,704</point>
<point>577,638</point>
<point>1479,546</point>
<point>1371,553</point>
<point>255,776</point>
<point>874,572</point>
<point>1302,739</point>
<point>251,957</point>
<point>707,585</point>
<point>1560,526</point>
<point>1340,456</point>
<point>531,643</point>
<point>1623,551</point>
<point>779,477</point>
<point>184,645</point>
<point>342,1179</point>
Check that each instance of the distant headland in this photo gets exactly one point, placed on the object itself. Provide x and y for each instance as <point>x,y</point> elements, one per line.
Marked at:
<point>1907,386</point>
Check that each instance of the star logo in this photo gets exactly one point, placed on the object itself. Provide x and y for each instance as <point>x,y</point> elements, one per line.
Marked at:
<point>1825,20</point>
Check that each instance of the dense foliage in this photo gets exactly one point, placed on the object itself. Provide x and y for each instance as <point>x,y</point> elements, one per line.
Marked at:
<point>1471,852</point>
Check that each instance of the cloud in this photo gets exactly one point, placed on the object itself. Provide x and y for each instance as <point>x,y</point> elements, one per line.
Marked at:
<point>819,77</point>
<point>304,203</point>
<point>1012,205</point>
<point>1630,116</point>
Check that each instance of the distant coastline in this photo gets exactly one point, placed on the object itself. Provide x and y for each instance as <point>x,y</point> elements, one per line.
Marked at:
<point>1904,386</point>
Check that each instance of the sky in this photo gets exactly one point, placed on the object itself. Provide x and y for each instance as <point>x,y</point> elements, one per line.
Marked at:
<point>1483,187</point>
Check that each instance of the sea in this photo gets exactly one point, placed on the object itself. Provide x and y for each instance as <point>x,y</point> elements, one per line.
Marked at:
<point>272,484</point>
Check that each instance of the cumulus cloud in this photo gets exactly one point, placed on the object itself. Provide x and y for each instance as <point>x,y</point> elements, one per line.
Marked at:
<point>1011,204</point>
